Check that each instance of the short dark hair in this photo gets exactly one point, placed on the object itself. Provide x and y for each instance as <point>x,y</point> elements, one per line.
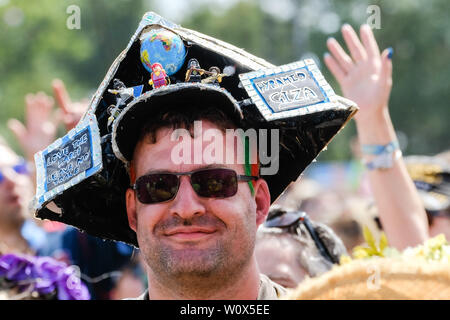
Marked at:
<point>175,119</point>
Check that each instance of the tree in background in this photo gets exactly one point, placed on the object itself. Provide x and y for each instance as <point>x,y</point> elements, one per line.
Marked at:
<point>419,34</point>
<point>36,46</point>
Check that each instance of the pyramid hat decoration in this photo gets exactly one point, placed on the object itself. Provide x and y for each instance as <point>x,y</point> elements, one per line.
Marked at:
<point>82,177</point>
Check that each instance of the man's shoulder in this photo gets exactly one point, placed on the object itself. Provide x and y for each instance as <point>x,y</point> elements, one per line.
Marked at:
<point>269,290</point>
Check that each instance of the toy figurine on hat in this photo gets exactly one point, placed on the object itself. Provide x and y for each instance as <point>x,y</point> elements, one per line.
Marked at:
<point>159,77</point>
<point>82,177</point>
<point>124,95</point>
<point>194,72</point>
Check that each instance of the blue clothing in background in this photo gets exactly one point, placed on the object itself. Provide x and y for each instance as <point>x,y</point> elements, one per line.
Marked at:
<point>99,260</point>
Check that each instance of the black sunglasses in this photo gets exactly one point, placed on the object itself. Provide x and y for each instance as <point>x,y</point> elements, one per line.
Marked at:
<point>208,183</point>
<point>291,221</point>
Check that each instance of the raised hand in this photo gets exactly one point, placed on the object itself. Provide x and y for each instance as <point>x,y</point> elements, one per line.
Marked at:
<point>365,76</point>
<point>40,125</point>
<point>71,111</point>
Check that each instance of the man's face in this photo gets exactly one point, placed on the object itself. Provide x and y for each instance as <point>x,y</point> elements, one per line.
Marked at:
<point>15,188</point>
<point>192,237</point>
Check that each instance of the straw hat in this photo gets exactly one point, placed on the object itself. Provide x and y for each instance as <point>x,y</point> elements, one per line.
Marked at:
<point>379,279</point>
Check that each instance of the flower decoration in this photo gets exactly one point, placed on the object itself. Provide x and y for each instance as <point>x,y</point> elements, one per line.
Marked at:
<point>434,249</point>
<point>41,278</point>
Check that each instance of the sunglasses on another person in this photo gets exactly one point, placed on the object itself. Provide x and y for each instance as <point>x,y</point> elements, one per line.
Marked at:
<point>431,215</point>
<point>21,167</point>
<point>291,221</point>
<point>208,183</point>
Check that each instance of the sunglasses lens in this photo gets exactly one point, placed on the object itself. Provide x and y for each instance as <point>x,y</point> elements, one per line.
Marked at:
<point>154,188</point>
<point>2,177</point>
<point>215,183</point>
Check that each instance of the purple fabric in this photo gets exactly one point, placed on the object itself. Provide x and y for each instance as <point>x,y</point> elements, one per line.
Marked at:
<point>45,274</point>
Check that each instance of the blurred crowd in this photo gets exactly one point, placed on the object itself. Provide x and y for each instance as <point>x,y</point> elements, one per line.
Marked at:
<point>110,270</point>
<point>297,246</point>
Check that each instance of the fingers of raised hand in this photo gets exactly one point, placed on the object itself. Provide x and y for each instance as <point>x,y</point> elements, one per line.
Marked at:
<point>18,129</point>
<point>339,55</point>
<point>357,50</point>
<point>334,67</point>
<point>386,68</point>
<point>38,107</point>
<point>61,95</point>
<point>39,101</point>
<point>369,41</point>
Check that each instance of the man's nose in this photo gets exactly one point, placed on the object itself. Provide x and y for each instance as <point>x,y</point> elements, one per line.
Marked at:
<point>187,203</point>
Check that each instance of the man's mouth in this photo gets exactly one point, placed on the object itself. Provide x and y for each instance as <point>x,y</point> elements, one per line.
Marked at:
<point>189,233</point>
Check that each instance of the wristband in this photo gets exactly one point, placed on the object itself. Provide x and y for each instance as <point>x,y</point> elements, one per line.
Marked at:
<point>377,149</point>
<point>384,160</point>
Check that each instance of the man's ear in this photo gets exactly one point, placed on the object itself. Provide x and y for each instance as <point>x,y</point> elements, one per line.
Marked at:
<point>262,200</point>
<point>131,209</point>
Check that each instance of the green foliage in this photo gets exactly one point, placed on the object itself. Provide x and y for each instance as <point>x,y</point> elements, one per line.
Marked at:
<point>42,48</point>
<point>372,248</point>
<point>419,33</point>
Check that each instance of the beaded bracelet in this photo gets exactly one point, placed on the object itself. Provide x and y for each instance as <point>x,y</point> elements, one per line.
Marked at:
<point>377,149</point>
<point>384,155</point>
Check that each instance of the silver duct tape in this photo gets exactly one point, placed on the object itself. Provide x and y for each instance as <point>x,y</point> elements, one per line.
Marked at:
<point>151,19</point>
<point>68,161</point>
<point>162,91</point>
<point>291,90</point>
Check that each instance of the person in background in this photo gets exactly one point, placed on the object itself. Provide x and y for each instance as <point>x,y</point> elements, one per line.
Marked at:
<point>131,281</point>
<point>18,233</point>
<point>287,252</point>
<point>97,259</point>
<point>365,76</point>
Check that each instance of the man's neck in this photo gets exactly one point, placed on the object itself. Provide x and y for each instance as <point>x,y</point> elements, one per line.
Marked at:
<point>245,286</point>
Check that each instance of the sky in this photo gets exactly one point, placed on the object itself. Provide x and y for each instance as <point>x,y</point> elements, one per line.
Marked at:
<point>175,9</point>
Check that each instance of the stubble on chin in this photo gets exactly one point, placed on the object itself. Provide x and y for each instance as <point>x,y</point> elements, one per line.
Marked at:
<point>190,267</point>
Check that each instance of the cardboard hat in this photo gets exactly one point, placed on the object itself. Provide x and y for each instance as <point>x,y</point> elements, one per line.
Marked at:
<point>82,177</point>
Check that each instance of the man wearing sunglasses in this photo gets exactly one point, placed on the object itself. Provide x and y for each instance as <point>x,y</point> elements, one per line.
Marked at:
<point>196,223</point>
<point>194,220</point>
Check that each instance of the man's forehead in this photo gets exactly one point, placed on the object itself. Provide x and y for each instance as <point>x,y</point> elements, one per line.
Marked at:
<point>205,145</point>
